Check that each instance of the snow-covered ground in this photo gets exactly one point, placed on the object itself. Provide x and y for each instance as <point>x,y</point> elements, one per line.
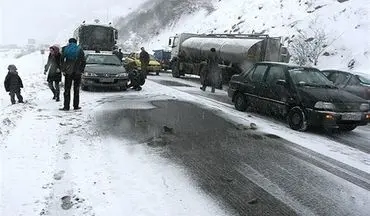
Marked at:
<point>49,157</point>
<point>346,25</point>
<point>53,160</point>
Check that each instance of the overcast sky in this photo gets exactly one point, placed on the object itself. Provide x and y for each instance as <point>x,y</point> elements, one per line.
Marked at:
<point>51,21</point>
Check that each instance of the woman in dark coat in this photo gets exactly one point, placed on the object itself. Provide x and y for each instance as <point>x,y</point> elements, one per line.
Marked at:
<point>52,68</point>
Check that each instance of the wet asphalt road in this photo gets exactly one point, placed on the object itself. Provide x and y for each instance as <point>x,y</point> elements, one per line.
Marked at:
<point>248,172</point>
<point>359,140</point>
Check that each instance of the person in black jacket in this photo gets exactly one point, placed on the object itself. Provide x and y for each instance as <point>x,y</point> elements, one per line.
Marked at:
<point>73,65</point>
<point>144,61</point>
<point>13,84</point>
<point>52,67</point>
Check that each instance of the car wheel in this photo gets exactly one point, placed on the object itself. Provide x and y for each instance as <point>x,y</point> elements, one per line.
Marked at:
<point>297,119</point>
<point>347,128</point>
<point>240,102</point>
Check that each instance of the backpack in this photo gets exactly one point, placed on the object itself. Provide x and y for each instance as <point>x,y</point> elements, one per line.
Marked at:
<point>71,51</point>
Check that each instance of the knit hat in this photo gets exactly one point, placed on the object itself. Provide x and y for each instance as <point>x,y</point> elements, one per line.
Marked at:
<point>72,40</point>
<point>12,67</point>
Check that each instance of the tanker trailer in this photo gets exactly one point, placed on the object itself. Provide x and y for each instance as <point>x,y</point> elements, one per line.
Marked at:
<point>237,52</point>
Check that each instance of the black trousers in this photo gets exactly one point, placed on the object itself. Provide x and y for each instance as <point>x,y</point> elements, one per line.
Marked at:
<point>76,80</point>
<point>54,87</point>
<point>13,93</point>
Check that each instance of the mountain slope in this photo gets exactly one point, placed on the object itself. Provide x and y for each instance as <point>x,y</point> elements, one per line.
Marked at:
<point>345,23</point>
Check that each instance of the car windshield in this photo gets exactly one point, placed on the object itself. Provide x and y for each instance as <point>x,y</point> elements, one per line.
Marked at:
<point>309,77</point>
<point>103,59</point>
<point>364,79</point>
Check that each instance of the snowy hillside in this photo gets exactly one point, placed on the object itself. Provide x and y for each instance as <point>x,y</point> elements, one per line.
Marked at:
<point>345,23</point>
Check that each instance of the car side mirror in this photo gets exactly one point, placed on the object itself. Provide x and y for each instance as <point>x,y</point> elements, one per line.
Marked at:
<point>282,83</point>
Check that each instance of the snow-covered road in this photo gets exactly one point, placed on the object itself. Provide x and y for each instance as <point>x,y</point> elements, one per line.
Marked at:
<point>56,163</point>
<point>67,163</point>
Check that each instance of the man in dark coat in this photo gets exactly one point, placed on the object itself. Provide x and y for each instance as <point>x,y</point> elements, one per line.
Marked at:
<point>13,84</point>
<point>52,67</point>
<point>73,65</point>
<point>213,71</point>
<point>144,61</point>
<point>119,54</point>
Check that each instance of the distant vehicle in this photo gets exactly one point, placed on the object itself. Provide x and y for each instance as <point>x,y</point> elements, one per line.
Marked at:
<point>163,57</point>
<point>356,83</point>
<point>93,37</point>
<point>104,70</point>
<point>302,95</point>
<point>236,52</point>
<point>134,61</point>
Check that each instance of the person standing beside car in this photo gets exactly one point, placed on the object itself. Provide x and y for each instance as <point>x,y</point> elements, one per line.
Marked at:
<point>212,74</point>
<point>52,68</point>
<point>73,65</point>
<point>119,54</point>
<point>144,61</point>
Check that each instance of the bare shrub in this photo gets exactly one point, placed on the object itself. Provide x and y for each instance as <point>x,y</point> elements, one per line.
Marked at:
<point>309,44</point>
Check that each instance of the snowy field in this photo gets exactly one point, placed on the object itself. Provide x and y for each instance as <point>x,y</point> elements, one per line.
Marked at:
<point>52,160</point>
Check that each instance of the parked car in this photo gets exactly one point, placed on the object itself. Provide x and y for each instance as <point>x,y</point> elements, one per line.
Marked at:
<point>302,95</point>
<point>134,61</point>
<point>356,83</point>
<point>104,70</point>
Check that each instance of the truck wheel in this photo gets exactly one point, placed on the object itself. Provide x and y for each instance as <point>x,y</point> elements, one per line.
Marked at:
<point>347,128</point>
<point>297,119</point>
<point>240,102</point>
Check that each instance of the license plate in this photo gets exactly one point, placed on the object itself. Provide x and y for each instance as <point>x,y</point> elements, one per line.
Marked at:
<point>106,80</point>
<point>352,116</point>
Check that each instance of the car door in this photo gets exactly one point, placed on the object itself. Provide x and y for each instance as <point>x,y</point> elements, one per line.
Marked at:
<point>273,94</point>
<point>252,84</point>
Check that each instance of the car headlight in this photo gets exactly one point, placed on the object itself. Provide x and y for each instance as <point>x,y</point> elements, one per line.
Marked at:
<point>324,105</point>
<point>89,74</point>
<point>364,107</point>
<point>122,75</point>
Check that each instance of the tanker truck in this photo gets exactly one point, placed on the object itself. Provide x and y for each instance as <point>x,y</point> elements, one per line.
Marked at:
<point>236,52</point>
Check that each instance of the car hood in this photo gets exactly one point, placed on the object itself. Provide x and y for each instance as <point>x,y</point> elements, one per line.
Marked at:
<point>312,95</point>
<point>106,69</point>
<point>154,63</point>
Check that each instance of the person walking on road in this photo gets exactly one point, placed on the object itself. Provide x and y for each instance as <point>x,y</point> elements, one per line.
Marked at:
<point>13,84</point>
<point>213,72</point>
<point>52,68</point>
<point>144,61</point>
<point>73,65</point>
